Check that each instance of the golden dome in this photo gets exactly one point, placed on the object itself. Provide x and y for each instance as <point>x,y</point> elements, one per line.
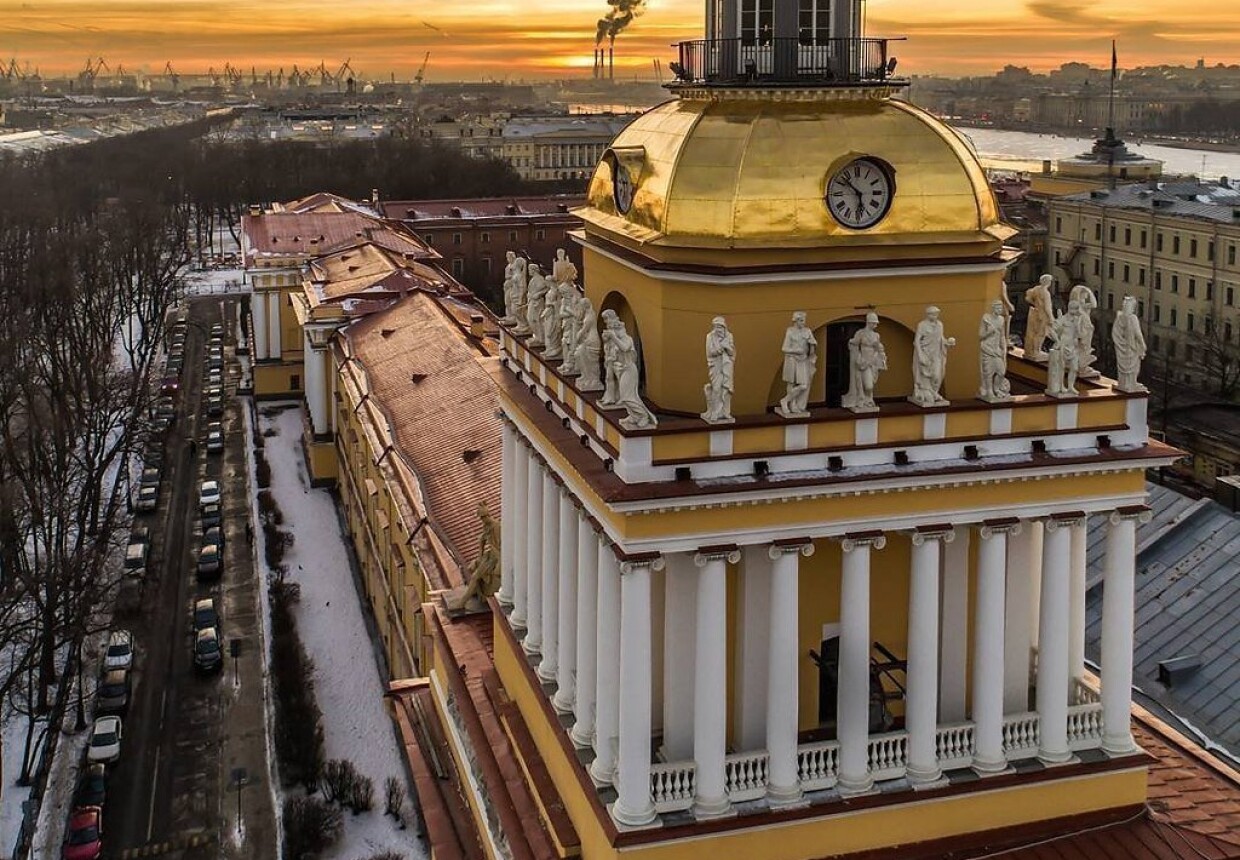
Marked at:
<point>751,172</point>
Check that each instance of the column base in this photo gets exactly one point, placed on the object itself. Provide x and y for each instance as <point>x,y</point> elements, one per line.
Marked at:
<point>563,701</point>
<point>1119,746</point>
<point>582,735</point>
<point>922,778</point>
<point>546,672</point>
<point>785,796</point>
<point>515,621</point>
<point>705,809</point>
<point>641,819</point>
<point>1056,758</point>
<point>853,787</point>
<point>531,647</point>
<point>990,767</point>
<point>505,599</point>
<point>602,777</point>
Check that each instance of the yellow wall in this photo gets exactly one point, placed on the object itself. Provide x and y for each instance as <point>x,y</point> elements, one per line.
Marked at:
<point>276,380</point>
<point>322,458</point>
<point>672,320</point>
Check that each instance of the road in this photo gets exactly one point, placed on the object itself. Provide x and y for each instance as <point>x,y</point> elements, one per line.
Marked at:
<point>185,732</point>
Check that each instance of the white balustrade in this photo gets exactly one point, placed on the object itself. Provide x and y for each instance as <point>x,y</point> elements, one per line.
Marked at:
<point>746,775</point>
<point>888,755</point>
<point>672,786</point>
<point>954,745</point>
<point>1085,726</point>
<point>1021,736</point>
<point>817,764</point>
<point>1083,694</point>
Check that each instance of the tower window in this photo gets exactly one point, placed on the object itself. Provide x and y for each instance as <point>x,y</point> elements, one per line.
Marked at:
<point>814,23</point>
<point>757,21</point>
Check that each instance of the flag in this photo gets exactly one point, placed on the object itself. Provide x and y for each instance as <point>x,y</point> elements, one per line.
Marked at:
<point>1114,61</point>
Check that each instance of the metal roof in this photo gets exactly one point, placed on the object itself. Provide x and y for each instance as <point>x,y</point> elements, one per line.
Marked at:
<point>1187,604</point>
<point>1191,199</point>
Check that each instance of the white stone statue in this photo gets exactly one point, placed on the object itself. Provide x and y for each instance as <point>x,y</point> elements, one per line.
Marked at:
<point>621,358</point>
<point>552,332</point>
<point>1129,346</point>
<point>1062,361</point>
<point>535,301</point>
<point>930,359</point>
<point>570,323</point>
<point>993,349</point>
<point>588,347</point>
<point>519,287</point>
<point>800,361</point>
<point>721,365</point>
<point>1005,299</point>
<point>1088,303</point>
<point>563,270</point>
<point>867,359</point>
<point>1041,317</point>
<point>611,380</point>
<point>512,302</point>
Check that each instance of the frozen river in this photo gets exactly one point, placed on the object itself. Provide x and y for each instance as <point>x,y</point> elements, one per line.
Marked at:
<point>1022,150</point>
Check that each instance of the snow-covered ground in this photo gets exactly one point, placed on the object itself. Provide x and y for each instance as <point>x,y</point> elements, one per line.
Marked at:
<point>214,282</point>
<point>333,628</point>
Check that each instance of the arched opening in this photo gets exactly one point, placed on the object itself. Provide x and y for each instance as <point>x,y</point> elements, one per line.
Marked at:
<point>615,301</point>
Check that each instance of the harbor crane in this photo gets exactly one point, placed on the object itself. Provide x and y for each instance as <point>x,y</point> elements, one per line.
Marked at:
<point>170,74</point>
<point>417,79</point>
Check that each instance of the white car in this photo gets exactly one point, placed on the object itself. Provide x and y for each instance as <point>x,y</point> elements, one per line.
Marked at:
<point>105,740</point>
<point>209,493</point>
<point>119,654</point>
<point>148,498</point>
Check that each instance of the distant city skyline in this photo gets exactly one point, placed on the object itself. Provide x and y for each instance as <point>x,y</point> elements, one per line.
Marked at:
<point>534,39</point>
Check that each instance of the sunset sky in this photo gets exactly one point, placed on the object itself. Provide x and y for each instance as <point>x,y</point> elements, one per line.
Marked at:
<point>527,39</point>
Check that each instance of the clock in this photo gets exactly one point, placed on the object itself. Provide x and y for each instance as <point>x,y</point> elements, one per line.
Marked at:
<point>621,187</point>
<point>859,194</point>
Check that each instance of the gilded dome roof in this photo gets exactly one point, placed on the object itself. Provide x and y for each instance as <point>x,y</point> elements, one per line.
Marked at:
<point>752,172</point>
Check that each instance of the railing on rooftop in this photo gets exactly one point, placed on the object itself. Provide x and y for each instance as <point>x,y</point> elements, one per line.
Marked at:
<point>767,61</point>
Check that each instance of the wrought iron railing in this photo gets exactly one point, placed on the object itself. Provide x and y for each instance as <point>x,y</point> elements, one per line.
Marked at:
<point>785,61</point>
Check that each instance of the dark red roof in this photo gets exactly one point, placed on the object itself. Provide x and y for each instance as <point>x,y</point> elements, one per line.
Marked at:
<point>488,207</point>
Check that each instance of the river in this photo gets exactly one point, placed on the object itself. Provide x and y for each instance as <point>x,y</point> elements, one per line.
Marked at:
<point>1022,150</point>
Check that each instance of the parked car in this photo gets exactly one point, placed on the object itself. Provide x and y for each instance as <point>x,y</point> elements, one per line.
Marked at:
<point>205,616</point>
<point>119,653</point>
<point>135,559</point>
<point>140,534</point>
<point>148,499</point>
<point>210,515</point>
<point>214,535</point>
<point>214,391</point>
<point>210,561</point>
<point>105,740</point>
<point>208,655</point>
<point>215,406</point>
<point>84,835</point>
<point>215,437</point>
<point>209,493</point>
<point>92,789</point>
<point>217,330</point>
<point>150,477</point>
<point>113,693</point>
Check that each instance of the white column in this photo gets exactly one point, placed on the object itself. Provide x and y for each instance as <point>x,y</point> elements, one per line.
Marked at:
<point>258,312</point>
<point>680,588</point>
<point>988,653</point>
<point>273,324</point>
<point>566,672</point>
<point>853,703</point>
<point>1076,616</point>
<point>1117,629</point>
<point>633,807</point>
<point>1037,529</point>
<point>921,706</point>
<point>550,579</point>
<point>520,533</point>
<point>534,556</point>
<point>1017,626</point>
<point>783,659</point>
<point>710,689</point>
<point>587,614</point>
<point>1053,674</point>
<point>316,384</point>
<point>753,623</point>
<point>607,674</point>
<point>507,514</point>
<point>954,669</point>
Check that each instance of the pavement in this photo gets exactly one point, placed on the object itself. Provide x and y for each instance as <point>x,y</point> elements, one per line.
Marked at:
<point>173,793</point>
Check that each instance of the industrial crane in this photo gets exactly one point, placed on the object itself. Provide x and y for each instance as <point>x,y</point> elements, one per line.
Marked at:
<point>91,71</point>
<point>171,74</point>
<point>345,73</point>
<point>417,79</point>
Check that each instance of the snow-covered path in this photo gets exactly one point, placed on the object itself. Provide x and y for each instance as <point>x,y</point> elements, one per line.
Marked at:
<point>333,628</point>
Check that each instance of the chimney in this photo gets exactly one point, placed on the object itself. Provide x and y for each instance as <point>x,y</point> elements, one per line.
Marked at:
<point>477,325</point>
<point>374,197</point>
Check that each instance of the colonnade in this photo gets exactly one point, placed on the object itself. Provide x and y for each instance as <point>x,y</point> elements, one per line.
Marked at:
<point>584,614</point>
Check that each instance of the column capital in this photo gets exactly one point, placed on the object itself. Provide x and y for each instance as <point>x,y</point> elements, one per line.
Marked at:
<point>941,532</point>
<point>730,553</point>
<point>792,546</point>
<point>646,561</point>
<point>1066,520</point>
<point>1003,526</point>
<point>1140,513</point>
<point>856,540</point>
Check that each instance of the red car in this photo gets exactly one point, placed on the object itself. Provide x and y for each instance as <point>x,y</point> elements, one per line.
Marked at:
<point>84,839</point>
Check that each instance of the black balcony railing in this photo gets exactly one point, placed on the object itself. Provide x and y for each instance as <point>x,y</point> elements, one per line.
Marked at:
<point>785,62</point>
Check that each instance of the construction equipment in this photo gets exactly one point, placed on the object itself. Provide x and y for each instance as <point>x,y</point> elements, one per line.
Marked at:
<point>171,74</point>
<point>417,79</point>
<point>87,76</point>
<point>345,73</point>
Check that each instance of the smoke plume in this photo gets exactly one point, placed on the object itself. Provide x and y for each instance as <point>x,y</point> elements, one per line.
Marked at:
<point>620,15</point>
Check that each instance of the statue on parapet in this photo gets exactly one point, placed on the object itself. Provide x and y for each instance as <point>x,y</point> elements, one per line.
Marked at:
<point>867,359</point>
<point>535,300</point>
<point>721,367</point>
<point>1087,303</point>
<point>1041,318</point>
<point>624,375</point>
<point>589,347</point>
<point>1129,347</point>
<point>993,351</point>
<point>484,573</point>
<point>800,361</point>
<point>930,347</point>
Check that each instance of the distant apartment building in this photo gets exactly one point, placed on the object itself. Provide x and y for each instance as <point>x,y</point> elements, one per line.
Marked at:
<point>472,236</point>
<point>1175,247</point>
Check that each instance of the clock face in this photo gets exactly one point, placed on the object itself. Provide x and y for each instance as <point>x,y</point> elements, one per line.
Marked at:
<point>859,195</point>
<point>622,188</point>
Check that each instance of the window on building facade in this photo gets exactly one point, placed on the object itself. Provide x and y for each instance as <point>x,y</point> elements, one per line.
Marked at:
<point>1097,266</point>
<point>1175,283</point>
<point>540,235</point>
<point>1127,274</point>
<point>1058,226</point>
<point>1111,232</point>
<point>1158,280</point>
<point>486,265</point>
<point>1158,242</point>
<point>1154,342</point>
<point>429,238</point>
<point>1209,291</point>
<point>1141,309</point>
<point>1192,288</point>
<point>294,382</point>
<point>1170,349</point>
<point>1189,321</point>
<point>1127,235</point>
<point>1111,269</point>
<point>512,235</point>
<point>1175,244</point>
<point>484,237</point>
<point>1227,332</point>
<point>1189,352</point>
<point>1098,232</point>
<point>1174,315</point>
<point>757,21</point>
<point>1192,248</point>
<point>1210,250</point>
<point>1144,239</point>
<point>1110,301</point>
<point>1231,297</point>
<point>456,238</point>
<point>1058,260</point>
<point>814,24</point>
<point>1208,322</point>
<point>1141,276</point>
<point>1157,313</point>
<point>1231,255</point>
